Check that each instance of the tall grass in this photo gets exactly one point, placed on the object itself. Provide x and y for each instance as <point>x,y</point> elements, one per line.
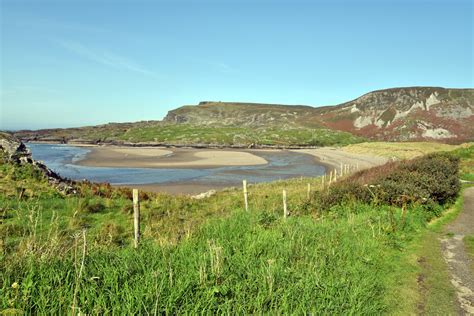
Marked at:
<point>71,255</point>
<point>246,263</point>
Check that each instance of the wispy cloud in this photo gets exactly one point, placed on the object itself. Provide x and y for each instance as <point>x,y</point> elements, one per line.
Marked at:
<point>105,58</point>
<point>216,65</point>
<point>223,67</point>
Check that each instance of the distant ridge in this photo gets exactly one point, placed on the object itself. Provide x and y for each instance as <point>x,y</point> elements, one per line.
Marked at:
<point>395,114</point>
<point>409,113</point>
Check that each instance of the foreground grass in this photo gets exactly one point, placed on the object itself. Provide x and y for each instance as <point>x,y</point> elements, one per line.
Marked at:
<point>246,263</point>
<point>352,260</point>
<point>68,254</point>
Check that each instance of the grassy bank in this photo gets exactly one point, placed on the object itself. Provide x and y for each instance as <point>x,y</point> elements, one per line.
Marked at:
<point>62,254</point>
<point>247,262</point>
<point>401,150</point>
<point>188,134</point>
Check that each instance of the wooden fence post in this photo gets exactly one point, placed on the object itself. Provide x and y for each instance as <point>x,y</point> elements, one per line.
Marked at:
<point>136,218</point>
<point>335,175</point>
<point>285,208</point>
<point>330,177</point>
<point>309,191</point>
<point>246,195</point>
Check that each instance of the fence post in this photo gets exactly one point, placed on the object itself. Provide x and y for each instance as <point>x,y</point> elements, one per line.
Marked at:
<point>309,191</point>
<point>285,208</point>
<point>330,177</point>
<point>136,218</point>
<point>335,175</point>
<point>244,184</point>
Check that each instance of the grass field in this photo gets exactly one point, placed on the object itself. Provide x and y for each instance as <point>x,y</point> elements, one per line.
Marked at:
<point>188,134</point>
<point>401,150</point>
<point>73,254</point>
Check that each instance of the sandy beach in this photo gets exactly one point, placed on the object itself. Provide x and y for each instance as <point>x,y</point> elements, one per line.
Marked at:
<point>152,157</point>
<point>333,157</point>
<point>181,158</point>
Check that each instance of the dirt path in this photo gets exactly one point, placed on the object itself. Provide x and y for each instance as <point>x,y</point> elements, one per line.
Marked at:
<point>459,262</point>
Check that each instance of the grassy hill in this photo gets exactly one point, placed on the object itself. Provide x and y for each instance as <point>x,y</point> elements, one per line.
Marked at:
<point>72,253</point>
<point>399,114</point>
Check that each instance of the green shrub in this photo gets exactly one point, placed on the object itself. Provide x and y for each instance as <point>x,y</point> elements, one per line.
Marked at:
<point>429,179</point>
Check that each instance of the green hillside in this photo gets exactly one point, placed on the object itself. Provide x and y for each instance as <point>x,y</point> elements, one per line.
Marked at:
<point>397,114</point>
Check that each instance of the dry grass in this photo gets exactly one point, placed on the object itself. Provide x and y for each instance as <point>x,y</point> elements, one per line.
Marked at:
<point>401,150</point>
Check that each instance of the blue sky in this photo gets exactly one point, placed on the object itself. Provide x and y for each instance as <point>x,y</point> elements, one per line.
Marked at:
<point>73,63</point>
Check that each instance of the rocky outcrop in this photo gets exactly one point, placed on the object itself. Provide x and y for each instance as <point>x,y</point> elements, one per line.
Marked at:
<point>413,113</point>
<point>16,152</point>
<point>14,149</point>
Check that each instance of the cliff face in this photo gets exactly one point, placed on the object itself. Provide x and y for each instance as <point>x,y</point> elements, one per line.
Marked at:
<point>414,113</point>
<point>408,114</point>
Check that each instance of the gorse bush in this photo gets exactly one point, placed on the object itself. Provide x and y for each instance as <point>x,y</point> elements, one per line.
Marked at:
<point>433,177</point>
<point>429,179</point>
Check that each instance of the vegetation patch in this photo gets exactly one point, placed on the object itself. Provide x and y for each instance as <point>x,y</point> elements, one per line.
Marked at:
<point>361,255</point>
<point>401,150</point>
<point>430,180</point>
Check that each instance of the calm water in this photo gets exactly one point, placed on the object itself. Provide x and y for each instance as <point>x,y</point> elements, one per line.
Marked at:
<point>281,165</point>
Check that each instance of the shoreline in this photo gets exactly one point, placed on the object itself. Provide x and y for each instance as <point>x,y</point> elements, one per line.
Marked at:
<point>329,158</point>
<point>166,145</point>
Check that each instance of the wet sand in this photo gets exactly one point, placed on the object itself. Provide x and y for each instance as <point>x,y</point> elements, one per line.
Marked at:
<point>152,157</point>
<point>329,157</point>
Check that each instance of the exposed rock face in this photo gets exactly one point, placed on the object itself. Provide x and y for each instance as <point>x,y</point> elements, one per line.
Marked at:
<point>18,153</point>
<point>15,150</point>
<point>410,113</point>
<point>413,113</point>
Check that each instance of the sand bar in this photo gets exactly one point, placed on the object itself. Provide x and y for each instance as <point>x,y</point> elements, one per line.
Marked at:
<point>152,157</point>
